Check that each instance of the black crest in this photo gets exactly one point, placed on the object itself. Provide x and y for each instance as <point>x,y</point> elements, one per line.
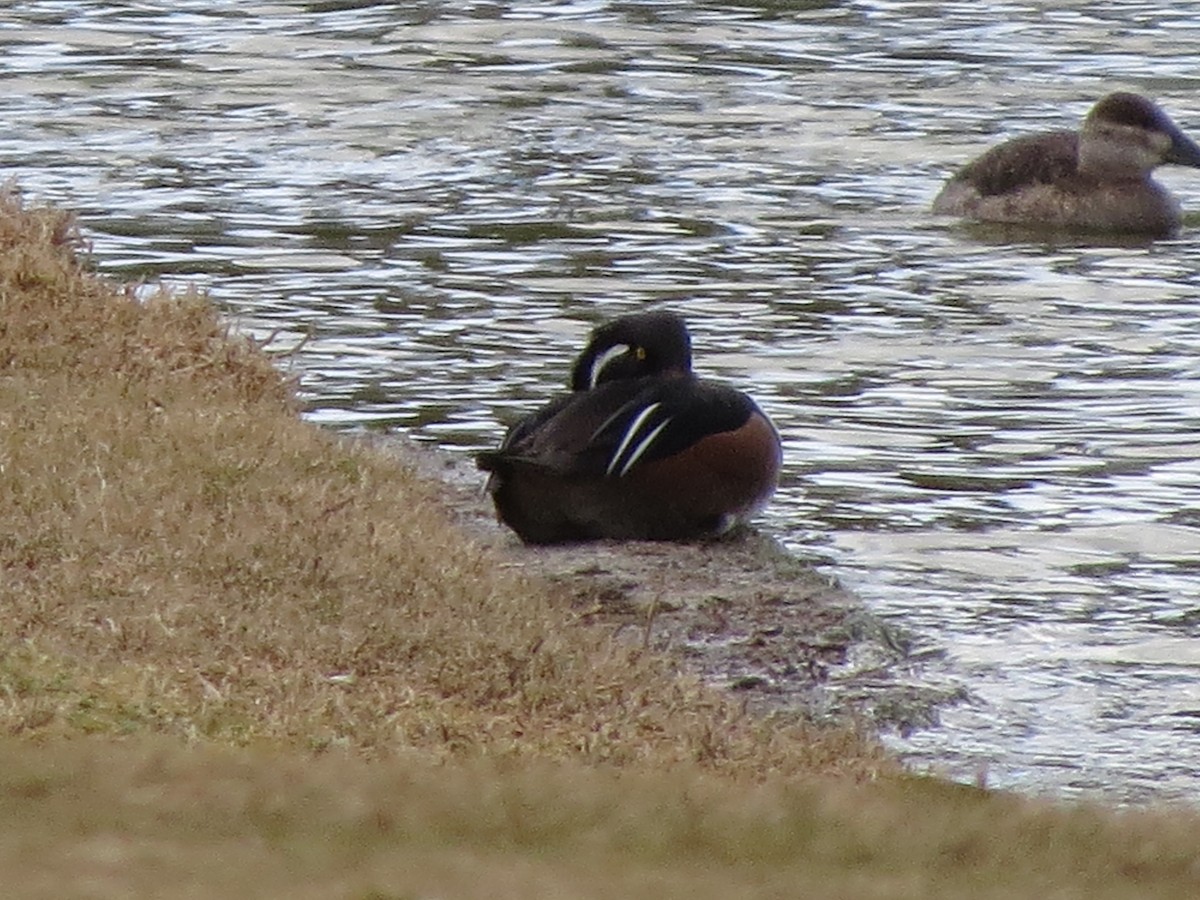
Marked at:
<point>1123,108</point>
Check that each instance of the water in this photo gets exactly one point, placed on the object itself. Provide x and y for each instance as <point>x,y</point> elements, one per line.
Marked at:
<point>993,440</point>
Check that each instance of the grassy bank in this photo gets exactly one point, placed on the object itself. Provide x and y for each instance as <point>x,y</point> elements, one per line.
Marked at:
<point>283,656</point>
<point>155,821</point>
<point>184,556</point>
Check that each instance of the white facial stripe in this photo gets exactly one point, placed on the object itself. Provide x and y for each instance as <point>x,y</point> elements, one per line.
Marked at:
<point>631,434</point>
<point>644,446</point>
<point>602,360</point>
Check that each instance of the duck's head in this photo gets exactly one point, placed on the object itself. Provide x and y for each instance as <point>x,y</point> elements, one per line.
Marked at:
<point>1129,134</point>
<point>652,343</point>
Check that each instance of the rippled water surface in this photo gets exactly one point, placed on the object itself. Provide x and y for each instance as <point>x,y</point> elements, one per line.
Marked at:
<point>993,439</point>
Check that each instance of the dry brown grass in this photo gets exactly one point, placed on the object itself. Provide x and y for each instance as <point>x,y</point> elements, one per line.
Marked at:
<point>319,688</point>
<point>181,554</point>
<point>155,821</point>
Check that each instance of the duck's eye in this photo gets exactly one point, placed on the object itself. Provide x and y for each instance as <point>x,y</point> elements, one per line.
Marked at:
<point>639,354</point>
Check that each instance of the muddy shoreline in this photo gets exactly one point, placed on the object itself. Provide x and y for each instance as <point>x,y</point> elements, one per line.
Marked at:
<point>744,614</point>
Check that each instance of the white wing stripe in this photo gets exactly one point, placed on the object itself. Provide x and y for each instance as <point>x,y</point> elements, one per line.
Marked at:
<point>630,435</point>
<point>644,445</point>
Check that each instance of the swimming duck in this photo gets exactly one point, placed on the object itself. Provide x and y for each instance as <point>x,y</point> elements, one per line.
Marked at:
<point>640,449</point>
<point>1094,179</point>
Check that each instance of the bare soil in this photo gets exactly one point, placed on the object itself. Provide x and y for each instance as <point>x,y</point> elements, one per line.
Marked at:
<point>742,613</point>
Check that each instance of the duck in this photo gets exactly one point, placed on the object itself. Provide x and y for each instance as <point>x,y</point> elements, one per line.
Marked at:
<point>640,448</point>
<point>1096,179</point>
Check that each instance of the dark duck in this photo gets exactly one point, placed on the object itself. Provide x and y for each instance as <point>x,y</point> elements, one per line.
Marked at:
<point>640,449</point>
<point>1097,179</point>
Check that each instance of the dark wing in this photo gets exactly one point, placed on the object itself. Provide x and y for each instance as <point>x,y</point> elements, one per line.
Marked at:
<point>667,419</point>
<point>619,425</point>
<point>521,440</point>
<point>1039,158</point>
